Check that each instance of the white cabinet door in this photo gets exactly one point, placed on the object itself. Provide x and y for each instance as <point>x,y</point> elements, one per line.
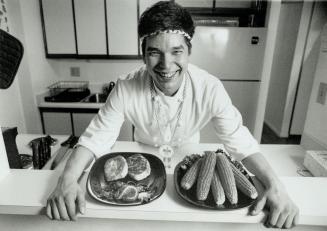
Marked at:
<point>81,121</point>
<point>126,132</point>
<point>195,3</point>
<point>144,4</point>
<point>57,123</point>
<point>59,26</point>
<point>90,27</point>
<point>244,96</point>
<point>218,3</point>
<point>122,27</point>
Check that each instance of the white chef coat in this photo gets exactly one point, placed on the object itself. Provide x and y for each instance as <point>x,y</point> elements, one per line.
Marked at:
<point>205,99</point>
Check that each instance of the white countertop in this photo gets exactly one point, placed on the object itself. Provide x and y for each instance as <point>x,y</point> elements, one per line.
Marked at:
<point>32,188</point>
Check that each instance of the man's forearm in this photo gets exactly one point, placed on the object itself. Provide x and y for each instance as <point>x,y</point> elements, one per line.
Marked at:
<point>77,163</point>
<point>258,165</point>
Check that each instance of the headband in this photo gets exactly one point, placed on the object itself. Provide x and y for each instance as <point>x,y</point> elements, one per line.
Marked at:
<point>181,32</point>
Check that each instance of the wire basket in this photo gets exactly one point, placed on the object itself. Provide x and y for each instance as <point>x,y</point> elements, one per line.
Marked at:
<point>61,86</point>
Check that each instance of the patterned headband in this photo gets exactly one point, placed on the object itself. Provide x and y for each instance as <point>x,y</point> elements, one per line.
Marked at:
<point>181,32</point>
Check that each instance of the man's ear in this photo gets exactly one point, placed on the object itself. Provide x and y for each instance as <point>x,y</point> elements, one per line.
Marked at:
<point>143,45</point>
<point>189,48</point>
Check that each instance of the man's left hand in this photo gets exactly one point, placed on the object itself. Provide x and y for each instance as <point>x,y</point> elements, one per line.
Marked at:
<point>283,213</point>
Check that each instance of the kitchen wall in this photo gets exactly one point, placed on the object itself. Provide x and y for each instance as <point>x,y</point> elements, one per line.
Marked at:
<point>291,85</point>
<point>33,74</point>
<point>95,71</point>
<point>315,128</point>
<point>288,25</point>
<point>11,113</point>
<point>311,54</point>
<point>11,110</point>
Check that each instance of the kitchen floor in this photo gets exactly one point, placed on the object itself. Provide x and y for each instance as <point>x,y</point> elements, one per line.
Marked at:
<point>269,137</point>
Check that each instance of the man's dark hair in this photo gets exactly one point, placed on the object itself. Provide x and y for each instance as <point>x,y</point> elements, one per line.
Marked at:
<point>165,15</point>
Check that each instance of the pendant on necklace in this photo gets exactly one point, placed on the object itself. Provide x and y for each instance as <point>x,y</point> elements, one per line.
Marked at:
<point>166,152</point>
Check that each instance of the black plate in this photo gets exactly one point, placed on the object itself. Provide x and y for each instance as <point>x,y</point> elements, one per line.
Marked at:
<point>97,186</point>
<point>209,203</point>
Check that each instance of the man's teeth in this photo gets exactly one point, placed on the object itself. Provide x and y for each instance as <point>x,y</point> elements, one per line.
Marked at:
<point>167,75</point>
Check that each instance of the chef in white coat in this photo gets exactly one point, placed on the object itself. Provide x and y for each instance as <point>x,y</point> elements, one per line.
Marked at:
<point>169,101</point>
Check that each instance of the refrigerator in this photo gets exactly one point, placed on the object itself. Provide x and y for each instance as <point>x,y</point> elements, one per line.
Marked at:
<point>235,56</point>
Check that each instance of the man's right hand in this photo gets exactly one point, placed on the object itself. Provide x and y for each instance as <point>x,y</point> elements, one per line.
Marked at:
<point>66,200</point>
<point>68,197</point>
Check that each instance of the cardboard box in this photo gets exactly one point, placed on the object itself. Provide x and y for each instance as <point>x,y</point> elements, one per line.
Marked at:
<point>316,162</point>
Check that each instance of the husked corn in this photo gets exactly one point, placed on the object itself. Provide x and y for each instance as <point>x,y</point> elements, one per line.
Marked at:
<point>217,189</point>
<point>191,175</point>
<point>226,177</point>
<point>243,184</point>
<point>205,175</point>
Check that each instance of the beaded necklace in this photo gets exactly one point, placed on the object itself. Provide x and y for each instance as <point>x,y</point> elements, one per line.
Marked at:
<point>166,150</point>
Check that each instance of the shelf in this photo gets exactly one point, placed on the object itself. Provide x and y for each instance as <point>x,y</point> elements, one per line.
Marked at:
<point>227,16</point>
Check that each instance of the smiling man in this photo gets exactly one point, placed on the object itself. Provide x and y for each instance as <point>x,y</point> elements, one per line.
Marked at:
<point>166,58</point>
<point>169,101</point>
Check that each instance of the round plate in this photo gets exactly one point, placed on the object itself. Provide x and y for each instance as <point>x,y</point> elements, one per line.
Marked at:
<point>99,188</point>
<point>209,203</point>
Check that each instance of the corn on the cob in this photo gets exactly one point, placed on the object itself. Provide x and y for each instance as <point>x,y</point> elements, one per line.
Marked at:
<point>226,177</point>
<point>191,175</point>
<point>205,175</point>
<point>243,184</point>
<point>217,189</point>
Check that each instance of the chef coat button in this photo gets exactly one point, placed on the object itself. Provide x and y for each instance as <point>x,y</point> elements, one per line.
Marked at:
<point>156,145</point>
<point>179,140</point>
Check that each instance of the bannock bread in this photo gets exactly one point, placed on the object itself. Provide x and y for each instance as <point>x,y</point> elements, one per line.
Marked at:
<point>115,168</point>
<point>138,167</point>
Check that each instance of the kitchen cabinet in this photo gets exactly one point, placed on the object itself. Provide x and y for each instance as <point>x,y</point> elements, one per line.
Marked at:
<point>58,27</point>
<point>58,123</point>
<point>126,132</point>
<point>196,3</point>
<point>122,27</point>
<point>247,13</point>
<point>215,3</point>
<point>144,4</point>
<point>90,27</point>
<point>67,121</point>
<point>82,120</point>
